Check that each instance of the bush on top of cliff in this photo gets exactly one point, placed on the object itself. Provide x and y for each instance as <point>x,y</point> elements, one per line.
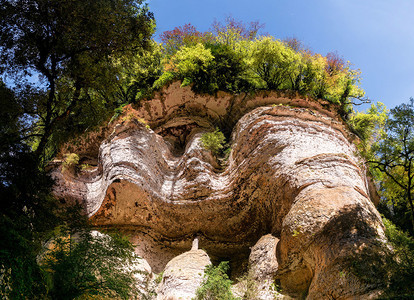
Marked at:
<point>234,58</point>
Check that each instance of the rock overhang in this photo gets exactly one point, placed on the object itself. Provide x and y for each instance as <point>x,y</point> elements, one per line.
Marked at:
<point>283,156</point>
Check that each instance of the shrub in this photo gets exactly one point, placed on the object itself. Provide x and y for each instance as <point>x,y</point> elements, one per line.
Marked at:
<point>369,126</point>
<point>70,162</point>
<point>226,72</point>
<point>165,78</point>
<point>273,62</point>
<point>189,61</point>
<point>216,284</point>
<point>401,266</point>
<point>213,141</point>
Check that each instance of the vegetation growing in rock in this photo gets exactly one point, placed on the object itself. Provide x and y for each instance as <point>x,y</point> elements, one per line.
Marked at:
<point>216,284</point>
<point>213,141</point>
<point>248,286</point>
<point>70,162</point>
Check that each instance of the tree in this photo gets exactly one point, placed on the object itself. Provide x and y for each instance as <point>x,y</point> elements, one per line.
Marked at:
<point>369,126</point>
<point>89,263</point>
<point>27,210</point>
<point>395,156</point>
<point>234,30</point>
<point>180,36</point>
<point>273,63</point>
<point>70,40</point>
<point>139,73</point>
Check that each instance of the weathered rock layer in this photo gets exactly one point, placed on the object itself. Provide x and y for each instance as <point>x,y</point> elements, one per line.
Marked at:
<point>292,172</point>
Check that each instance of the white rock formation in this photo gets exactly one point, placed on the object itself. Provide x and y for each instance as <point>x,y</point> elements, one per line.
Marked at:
<point>183,275</point>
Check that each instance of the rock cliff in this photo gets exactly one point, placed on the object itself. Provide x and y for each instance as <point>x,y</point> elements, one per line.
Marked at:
<point>292,173</point>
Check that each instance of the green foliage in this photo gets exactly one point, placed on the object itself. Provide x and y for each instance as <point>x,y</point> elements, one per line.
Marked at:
<point>369,127</point>
<point>10,113</point>
<point>273,62</point>
<point>20,275</point>
<point>165,79</point>
<point>139,73</point>
<point>89,264</point>
<point>158,279</point>
<point>29,215</point>
<point>233,58</point>
<point>190,59</point>
<point>401,265</point>
<point>234,31</point>
<point>394,158</point>
<point>27,210</point>
<point>216,284</point>
<point>226,72</point>
<point>70,162</point>
<point>213,141</point>
<point>72,46</point>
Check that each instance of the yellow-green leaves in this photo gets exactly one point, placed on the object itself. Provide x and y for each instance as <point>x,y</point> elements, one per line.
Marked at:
<point>70,162</point>
<point>164,79</point>
<point>274,63</point>
<point>232,58</point>
<point>213,141</point>
<point>189,59</point>
<point>369,126</point>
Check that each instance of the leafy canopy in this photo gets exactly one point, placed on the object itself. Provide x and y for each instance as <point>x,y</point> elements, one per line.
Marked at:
<point>394,157</point>
<point>233,57</point>
<point>71,46</point>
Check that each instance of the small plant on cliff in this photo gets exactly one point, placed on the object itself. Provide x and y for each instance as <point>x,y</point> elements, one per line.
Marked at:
<point>216,284</point>
<point>70,162</point>
<point>213,141</point>
<point>158,279</point>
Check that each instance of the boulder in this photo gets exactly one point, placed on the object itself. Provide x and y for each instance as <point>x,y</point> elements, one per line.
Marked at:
<point>183,275</point>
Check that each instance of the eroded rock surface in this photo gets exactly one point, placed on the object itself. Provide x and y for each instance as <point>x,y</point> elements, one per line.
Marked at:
<point>263,266</point>
<point>292,173</point>
<point>183,275</point>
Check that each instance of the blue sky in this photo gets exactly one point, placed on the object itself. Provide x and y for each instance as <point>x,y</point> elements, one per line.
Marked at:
<point>376,36</point>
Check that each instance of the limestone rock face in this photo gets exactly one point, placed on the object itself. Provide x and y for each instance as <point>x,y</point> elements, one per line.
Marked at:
<point>183,275</point>
<point>292,173</point>
<point>263,265</point>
